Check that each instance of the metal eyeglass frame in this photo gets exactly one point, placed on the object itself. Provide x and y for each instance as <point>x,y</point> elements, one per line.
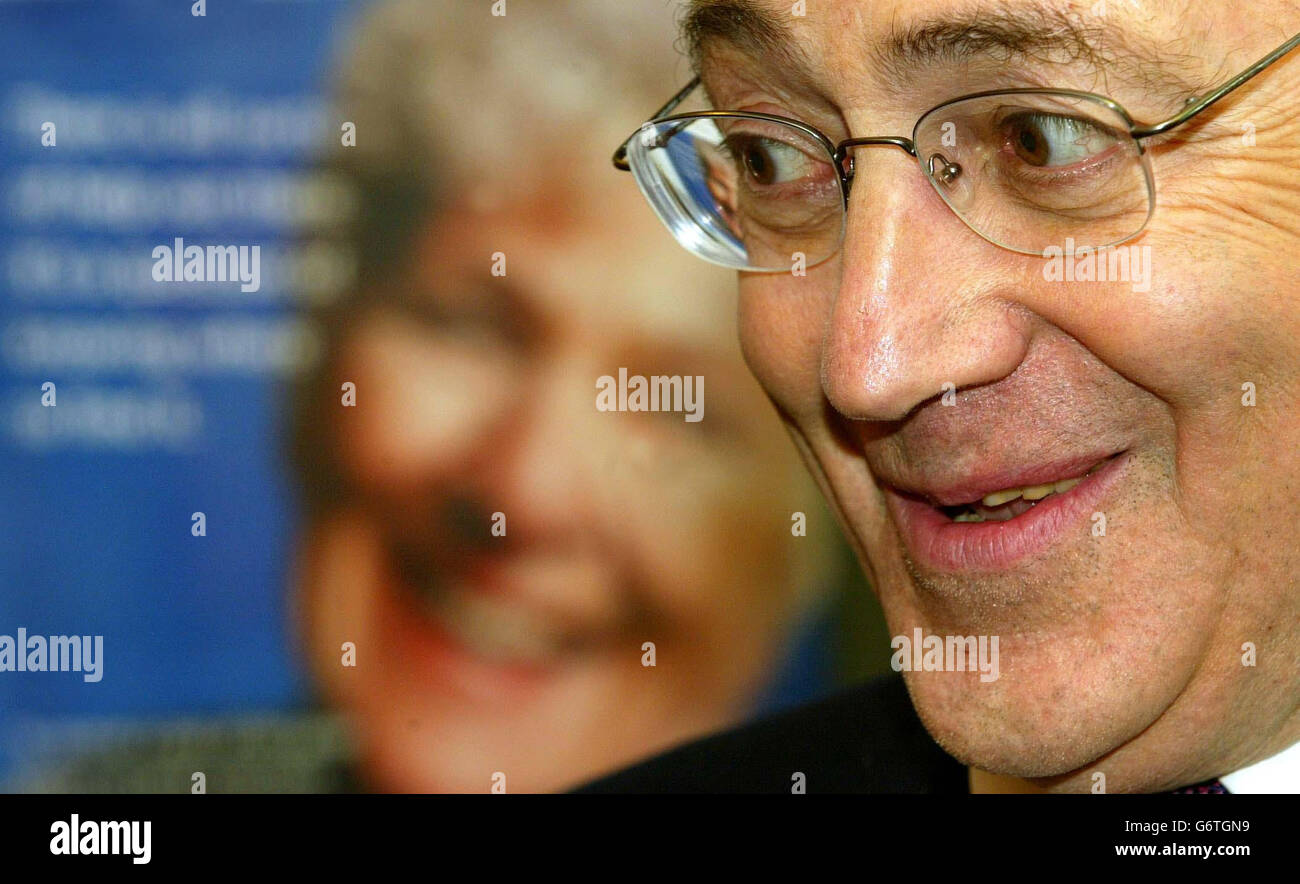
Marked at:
<point>839,153</point>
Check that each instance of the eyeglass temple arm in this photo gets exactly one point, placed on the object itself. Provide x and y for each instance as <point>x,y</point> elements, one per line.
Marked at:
<point>620,155</point>
<point>1195,107</point>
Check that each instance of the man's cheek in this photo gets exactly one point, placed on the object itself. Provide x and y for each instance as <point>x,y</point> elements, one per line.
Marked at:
<point>781,324</point>
<point>1169,334</point>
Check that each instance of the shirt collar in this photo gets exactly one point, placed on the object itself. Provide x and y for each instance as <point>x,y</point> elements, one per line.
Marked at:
<point>1279,774</point>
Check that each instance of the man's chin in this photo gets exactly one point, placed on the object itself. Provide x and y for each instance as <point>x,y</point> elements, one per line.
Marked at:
<point>1091,652</point>
<point>1053,706</point>
<point>1003,731</point>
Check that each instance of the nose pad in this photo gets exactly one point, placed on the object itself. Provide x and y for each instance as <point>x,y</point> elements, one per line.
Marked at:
<point>846,165</point>
<point>947,173</point>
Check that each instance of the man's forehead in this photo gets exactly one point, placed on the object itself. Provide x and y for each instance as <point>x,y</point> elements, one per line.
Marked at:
<point>1147,43</point>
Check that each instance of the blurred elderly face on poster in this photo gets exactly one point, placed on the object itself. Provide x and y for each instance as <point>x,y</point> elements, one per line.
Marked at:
<point>521,651</point>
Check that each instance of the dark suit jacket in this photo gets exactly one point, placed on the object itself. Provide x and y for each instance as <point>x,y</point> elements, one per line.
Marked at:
<point>864,740</point>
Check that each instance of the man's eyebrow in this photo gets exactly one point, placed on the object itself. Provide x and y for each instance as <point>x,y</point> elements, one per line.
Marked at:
<point>1025,34</point>
<point>1042,35</point>
<point>742,24</point>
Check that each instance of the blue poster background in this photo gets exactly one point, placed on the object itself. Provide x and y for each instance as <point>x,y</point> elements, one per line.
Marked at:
<point>169,400</point>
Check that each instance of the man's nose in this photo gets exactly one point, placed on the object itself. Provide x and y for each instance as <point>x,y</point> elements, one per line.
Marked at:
<point>922,307</point>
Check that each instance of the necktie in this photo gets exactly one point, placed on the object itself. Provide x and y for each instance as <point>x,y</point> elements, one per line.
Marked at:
<point>1209,787</point>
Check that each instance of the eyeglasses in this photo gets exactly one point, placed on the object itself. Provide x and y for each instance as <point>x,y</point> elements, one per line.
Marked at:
<point>1023,168</point>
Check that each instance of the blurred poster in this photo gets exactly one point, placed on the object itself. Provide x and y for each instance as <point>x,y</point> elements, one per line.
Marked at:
<point>269,399</point>
<point>126,126</point>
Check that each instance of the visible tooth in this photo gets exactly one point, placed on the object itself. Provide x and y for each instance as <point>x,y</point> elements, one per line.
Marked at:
<point>493,631</point>
<point>997,498</point>
<point>1066,484</point>
<point>1005,515</point>
<point>1037,492</point>
<point>969,517</point>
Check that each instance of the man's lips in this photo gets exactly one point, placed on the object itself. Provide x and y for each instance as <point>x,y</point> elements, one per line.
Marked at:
<point>971,488</point>
<point>938,542</point>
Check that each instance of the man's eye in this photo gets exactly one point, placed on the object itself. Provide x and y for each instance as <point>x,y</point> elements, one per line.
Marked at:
<point>1050,140</point>
<point>766,161</point>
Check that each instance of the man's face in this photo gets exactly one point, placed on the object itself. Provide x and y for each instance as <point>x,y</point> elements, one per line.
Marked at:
<point>521,650</point>
<point>1124,605</point>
